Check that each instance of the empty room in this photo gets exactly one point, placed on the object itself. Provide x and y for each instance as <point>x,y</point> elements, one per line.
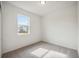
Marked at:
<point>39,29</point>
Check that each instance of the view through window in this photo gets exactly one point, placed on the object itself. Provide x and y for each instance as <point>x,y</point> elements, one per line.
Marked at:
<point>23,24</point>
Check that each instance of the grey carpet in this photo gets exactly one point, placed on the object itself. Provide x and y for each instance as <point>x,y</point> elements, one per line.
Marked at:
<point>42,50</point>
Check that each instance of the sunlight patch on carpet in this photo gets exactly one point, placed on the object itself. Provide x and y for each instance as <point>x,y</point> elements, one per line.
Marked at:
<point>39,52</point>
<point>54,54</point>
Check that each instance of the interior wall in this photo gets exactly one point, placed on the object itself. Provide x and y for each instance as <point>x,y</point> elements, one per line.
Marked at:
<point>0,32</point>
<point>78,25</point>
<point>60,26</point>
<point>11,40</point>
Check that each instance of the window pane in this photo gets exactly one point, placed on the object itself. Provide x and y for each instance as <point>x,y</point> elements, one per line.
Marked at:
<point>23,24</point>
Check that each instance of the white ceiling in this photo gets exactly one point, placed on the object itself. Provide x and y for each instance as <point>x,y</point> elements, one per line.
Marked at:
<point>37,8</point>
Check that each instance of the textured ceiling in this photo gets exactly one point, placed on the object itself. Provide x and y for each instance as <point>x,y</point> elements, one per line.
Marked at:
<point>37,8</point>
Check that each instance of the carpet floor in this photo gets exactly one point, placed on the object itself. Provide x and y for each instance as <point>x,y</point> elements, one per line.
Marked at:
<point>42,50</point>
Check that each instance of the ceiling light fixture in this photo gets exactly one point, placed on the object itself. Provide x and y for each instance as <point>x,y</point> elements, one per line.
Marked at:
<point>43,2</point>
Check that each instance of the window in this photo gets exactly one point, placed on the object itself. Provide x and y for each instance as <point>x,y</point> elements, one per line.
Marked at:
<point>23,23</point>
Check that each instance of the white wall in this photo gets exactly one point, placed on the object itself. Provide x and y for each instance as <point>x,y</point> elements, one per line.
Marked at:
<point>11,40</point>
<point>59,27</point>
<point>0,32</point>
<point>78,25</point>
